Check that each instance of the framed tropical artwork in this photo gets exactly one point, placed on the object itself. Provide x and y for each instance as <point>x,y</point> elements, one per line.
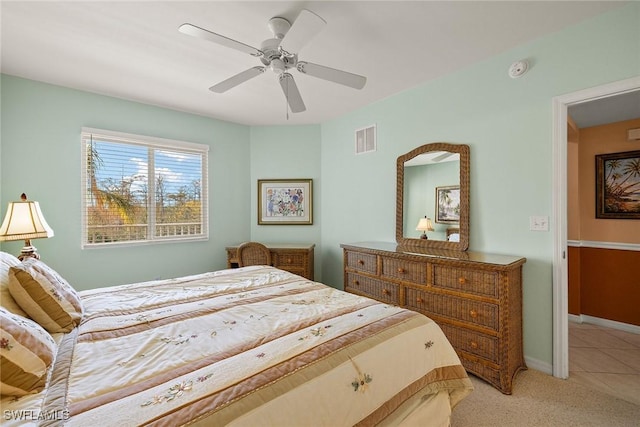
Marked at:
<point>448,204</point>
<point>618,185</point>
<point>285,201</point>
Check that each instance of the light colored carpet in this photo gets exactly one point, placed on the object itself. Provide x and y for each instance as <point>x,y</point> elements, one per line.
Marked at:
<point>541,400</point>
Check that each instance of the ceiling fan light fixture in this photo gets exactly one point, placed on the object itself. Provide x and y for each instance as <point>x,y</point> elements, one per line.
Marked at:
<point>278,66</point>
<point>270,50</point>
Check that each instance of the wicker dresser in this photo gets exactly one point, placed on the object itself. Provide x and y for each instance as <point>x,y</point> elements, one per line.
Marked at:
<point>476,299</point>
<point>295,258</point>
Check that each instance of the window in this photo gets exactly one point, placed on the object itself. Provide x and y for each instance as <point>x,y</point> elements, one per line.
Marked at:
<point>139,189</point>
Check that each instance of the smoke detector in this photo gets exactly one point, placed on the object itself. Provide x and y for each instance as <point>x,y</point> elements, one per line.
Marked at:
<point>518,68</point>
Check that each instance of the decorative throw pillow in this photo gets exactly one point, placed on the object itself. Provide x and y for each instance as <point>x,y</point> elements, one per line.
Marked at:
<point>26,353</point>
<point>6,300</point>
<point>45,296</point>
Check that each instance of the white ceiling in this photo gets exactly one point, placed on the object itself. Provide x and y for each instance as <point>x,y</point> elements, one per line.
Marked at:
<point>133,50</point>
<point>610,109</point>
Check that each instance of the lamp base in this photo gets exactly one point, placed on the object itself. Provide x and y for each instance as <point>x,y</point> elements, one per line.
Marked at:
<point>424,236</point>
<point>28,252</point>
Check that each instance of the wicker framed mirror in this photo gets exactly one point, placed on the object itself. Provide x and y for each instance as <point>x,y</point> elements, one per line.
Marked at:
<point>433,183</point>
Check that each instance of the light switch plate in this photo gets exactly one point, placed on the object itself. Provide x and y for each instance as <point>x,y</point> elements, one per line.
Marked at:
<point>539,223</point>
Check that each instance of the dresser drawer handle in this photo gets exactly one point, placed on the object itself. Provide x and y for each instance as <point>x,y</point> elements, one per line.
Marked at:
<point>462,280</point>
<point>473,313</point>
<point>361,262</point>
<point>419,300</point>
<point>473,344</point>
<point>401,270</point>
<point>386,292</point>
<point>356,282</point>
<point>289,260</point>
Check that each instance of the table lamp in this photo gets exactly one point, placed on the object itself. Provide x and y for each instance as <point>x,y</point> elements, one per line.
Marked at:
<point>424,225</point>
<point>24,220</point>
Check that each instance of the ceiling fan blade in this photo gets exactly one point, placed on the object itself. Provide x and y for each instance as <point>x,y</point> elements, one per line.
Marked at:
<point>234,81</point>
<point>304,28</point>
<point>201,33</point>
<point>337,76</point>
<point>291,93</point>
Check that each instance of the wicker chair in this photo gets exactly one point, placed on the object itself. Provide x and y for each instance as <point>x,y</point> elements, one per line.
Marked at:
<point>253,253</point>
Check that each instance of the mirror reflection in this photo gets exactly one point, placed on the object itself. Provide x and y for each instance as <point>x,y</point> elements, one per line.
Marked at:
<point>432,196</point>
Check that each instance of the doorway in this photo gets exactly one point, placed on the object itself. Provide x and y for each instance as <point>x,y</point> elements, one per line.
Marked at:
<point>561,105</point>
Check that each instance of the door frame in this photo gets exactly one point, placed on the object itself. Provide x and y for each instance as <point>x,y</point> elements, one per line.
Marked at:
<point>559,217</point>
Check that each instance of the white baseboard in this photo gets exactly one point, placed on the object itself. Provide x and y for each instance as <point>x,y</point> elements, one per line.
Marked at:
<point>575,318</point>
<point>538,365</point>
<point>583,318</point>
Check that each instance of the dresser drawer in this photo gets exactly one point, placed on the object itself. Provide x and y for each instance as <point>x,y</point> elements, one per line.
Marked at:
<point>362,262</point>
<point>377,289</point>
<point>408,271</point>
<point>481,369</point>
<point>286,260</point>
<point>471,281</point>
<point>472,342</point>
<point>300,271</point>
<point>462,309</point>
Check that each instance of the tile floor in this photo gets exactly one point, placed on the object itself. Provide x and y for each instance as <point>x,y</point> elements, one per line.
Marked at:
<point>606,359</point>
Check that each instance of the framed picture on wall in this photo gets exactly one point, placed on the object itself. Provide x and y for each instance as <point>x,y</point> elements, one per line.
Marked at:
<point>285,201</point>
<point>448,204</point>
<point>618,185</point>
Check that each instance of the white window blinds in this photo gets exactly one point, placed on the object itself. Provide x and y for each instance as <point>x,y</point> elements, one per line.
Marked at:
<point>141,189</point>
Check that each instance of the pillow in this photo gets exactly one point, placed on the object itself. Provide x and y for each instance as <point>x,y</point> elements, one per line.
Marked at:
<point>26,353</point>
<point>6,300</point>
<point>45,296</point>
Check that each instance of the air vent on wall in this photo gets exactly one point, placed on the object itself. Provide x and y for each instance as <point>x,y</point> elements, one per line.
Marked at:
<point>366,139</point>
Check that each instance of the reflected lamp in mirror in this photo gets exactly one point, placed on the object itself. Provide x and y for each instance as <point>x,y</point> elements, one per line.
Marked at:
<point>424,225</point>
<point>24,221</point>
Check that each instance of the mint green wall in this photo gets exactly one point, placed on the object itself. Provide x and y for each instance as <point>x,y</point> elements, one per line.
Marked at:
<point>41,157</point>
<point>420,184</point>
<point>287,152</point>
<point>508,124</point>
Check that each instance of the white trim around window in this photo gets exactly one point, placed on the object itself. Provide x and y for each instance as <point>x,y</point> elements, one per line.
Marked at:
<point>141,190</point>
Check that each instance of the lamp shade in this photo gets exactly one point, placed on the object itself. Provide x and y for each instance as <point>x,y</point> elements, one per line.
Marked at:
<point>24,220</point>
<point>424,224</point>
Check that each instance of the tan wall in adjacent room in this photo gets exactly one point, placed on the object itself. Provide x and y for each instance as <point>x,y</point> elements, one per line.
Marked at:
<point>604,139</point>
<point>603,283</point>
<point>573,186</point>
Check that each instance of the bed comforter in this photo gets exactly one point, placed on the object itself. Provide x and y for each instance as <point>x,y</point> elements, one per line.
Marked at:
<point>245,347</point>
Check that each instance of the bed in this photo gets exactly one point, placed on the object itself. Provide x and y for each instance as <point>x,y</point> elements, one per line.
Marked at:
<point>241,347</point>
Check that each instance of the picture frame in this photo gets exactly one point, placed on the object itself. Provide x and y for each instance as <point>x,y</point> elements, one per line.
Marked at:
<point>285,201</point>
<point>618,185</point>
<point>448,204</point>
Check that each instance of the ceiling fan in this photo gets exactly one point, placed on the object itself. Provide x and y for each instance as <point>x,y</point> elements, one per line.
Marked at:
<point>280,55</point>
